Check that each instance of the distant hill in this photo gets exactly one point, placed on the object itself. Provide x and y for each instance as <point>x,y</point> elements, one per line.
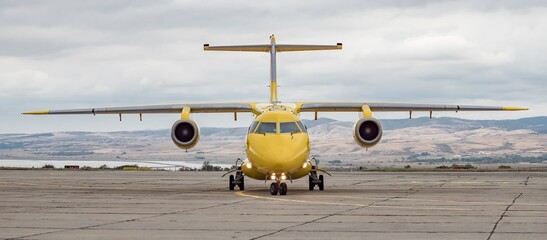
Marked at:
<point>331,139</point>
<point>536,124</point>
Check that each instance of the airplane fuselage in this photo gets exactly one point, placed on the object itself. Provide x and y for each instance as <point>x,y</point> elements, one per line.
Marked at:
<point>277,145</point>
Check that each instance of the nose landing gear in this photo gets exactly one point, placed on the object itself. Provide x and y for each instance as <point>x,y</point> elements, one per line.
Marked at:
<point>274,188</point>
<point>277,187</point>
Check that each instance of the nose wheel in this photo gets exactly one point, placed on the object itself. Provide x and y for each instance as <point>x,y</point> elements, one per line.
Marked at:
<point>274,188</point>
<point>277,187</point>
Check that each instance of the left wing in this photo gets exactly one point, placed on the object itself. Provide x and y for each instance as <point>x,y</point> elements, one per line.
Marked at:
<point>394,107</point>
<point>166,108</point>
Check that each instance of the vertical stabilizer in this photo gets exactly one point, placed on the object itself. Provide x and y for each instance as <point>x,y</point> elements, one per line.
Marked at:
<point>273,71</point>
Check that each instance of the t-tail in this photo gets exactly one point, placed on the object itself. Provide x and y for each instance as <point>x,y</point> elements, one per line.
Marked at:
<point>273,49</point>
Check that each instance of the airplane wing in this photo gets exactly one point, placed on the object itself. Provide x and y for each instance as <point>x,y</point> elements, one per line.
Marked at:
<point>166,108</point>
<point>395,107</point>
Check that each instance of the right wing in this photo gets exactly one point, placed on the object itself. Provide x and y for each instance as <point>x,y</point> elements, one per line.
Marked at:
<point>395,107</point>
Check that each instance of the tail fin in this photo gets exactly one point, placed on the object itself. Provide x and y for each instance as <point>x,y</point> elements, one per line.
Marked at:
<point>272,48</point>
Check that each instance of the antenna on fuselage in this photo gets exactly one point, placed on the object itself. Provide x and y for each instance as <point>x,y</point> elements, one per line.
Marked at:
<point>273,49</point>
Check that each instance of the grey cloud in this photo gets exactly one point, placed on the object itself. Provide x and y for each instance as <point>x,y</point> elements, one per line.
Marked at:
<point>62,54</point>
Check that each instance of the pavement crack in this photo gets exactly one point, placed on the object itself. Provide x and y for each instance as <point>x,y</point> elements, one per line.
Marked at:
<point>503,215</point>
<point>128,220</point>
<point>359,182</point>
<point>308,222</point>
<point>445,182</point>
<point>334,214</point>
<point>526,182</point>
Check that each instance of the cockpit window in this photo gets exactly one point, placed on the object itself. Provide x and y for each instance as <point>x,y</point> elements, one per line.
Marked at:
<point>252,128</point>
<point>266,127</point>
<point>302,127</point>
<point>288,127</point>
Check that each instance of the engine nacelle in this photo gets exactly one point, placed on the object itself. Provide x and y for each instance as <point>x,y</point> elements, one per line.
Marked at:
<point>185,133</point>
<point>367,132</point>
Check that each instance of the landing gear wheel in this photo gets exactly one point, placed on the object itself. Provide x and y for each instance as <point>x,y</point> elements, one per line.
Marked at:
<point>311,184</point>
<point>242,184</point>
<point>322,183</point>
<point>231,181</point>
<point>283,189</point>
<point>274,188</point>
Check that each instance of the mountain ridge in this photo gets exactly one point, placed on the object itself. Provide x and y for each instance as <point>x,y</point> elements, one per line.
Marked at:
<point>537,124</point>
<point>331,139</point>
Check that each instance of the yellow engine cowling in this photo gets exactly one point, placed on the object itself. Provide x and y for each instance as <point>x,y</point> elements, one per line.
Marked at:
<point>367,132</point>
<point>185,133</point>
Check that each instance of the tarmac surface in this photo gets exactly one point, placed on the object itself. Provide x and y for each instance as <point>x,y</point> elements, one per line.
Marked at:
<point>198,205</point>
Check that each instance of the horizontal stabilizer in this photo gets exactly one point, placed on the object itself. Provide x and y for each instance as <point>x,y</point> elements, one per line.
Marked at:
<point>242,48</point>
<point>268,48</point>
<point>292,47</point>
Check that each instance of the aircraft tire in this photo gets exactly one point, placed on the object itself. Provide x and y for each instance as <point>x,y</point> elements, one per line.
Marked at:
<point>242,184</point>
<point>231,181</point>
<point>322,183</point>
<point>274,188</point>
<point>311,184</point>
<point>282,189</point>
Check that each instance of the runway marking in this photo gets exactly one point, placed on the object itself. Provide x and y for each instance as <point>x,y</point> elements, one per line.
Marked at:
<point>243,194</point>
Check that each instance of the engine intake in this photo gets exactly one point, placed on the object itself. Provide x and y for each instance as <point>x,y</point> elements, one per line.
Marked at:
<point>367,132</point>
<point>185,133</point>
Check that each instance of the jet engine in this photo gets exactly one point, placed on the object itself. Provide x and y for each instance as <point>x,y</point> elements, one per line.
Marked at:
<point>367,132</point>
<point>185,133</point>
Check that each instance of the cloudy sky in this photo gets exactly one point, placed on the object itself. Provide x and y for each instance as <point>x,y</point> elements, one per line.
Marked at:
<point>72,54</point>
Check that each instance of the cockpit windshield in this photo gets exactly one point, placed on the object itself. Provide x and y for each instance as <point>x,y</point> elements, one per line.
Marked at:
<point>302,127</point>
<point>253,126</point>
<point>288,127</point>
<point>272,127</point>
<point>266,127</point>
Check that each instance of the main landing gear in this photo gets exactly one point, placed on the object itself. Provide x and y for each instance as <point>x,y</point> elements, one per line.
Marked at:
<point>237,180</point>
<point>277,187</point>
<point>315,180</point>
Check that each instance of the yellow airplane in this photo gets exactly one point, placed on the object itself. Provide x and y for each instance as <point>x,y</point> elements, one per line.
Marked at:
<point>277,143</point>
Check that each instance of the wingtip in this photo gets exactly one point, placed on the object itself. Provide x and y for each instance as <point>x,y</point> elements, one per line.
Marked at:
<point>36,112</point>
<point>509,108</point>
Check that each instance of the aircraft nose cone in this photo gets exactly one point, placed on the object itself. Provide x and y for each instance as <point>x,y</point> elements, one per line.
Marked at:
<point>278,153</point>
